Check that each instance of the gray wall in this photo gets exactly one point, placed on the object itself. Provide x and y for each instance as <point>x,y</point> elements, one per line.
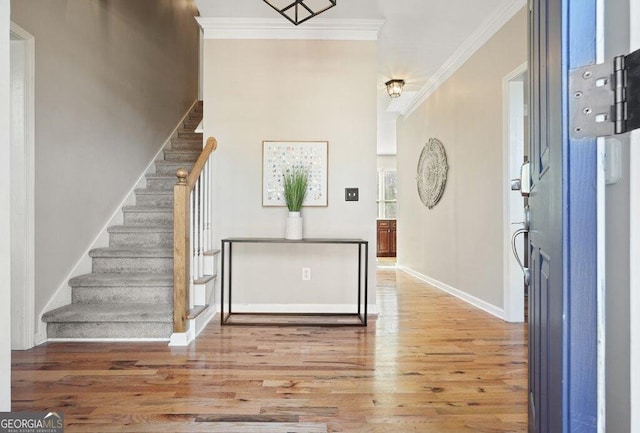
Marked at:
<point>113,78</point>
<point>617,252</point>
<point>460,241</point>
<point>5,212</point>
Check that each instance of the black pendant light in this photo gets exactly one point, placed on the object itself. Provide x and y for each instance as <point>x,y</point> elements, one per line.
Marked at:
<point>299,11</point>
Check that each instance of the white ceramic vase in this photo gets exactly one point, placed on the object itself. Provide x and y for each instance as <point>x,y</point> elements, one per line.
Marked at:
<point>294,226</point>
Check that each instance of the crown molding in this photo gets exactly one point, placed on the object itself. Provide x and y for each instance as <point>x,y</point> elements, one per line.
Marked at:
<point>261,28</point>
<point>468,48</point>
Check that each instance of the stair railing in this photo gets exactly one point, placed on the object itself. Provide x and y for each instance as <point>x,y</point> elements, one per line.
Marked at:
<point>191,232</point>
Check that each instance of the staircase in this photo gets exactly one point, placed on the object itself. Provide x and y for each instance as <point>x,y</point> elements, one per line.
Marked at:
<point>129,293</point>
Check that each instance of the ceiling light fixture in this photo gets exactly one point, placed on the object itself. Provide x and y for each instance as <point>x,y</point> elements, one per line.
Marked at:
<point>299,11</point>
<point>394,87</point>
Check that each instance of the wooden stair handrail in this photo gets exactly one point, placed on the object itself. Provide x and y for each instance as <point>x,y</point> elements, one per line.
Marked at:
<point>212,144</point>
<point>181,235</point>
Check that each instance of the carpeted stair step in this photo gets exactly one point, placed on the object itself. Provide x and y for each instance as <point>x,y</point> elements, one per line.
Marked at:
<point>122,288</point>
<point>196,112</point>
<point>191,125</point>
<point>131,236</point>
<point>188,155</point>
<point>161,181</point>
<point>154,197</point>
<point>170,167</point>
<point>187,144</point>
<point>110,321</point>
<point>147,215</point>
<point>132,259</point>
<point>189,135</point>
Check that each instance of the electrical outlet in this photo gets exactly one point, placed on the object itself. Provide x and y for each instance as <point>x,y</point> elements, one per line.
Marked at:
<point>306,274</point>
<point>351,194</point>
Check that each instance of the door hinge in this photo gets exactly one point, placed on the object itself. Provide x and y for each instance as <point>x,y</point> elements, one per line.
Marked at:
<point>605,98</point>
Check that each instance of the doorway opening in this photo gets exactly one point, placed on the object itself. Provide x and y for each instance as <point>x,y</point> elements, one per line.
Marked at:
<point>386,224</point>
<point>22,63</point>
<point>515,150</point>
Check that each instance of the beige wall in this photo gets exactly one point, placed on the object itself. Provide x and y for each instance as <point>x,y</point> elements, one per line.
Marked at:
<point>5,212</point>
<point>257,90</point>
<point>112,81</point>
<point>459,242</point>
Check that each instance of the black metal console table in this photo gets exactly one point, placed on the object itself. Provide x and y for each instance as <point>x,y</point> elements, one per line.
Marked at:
<point>227,273</point>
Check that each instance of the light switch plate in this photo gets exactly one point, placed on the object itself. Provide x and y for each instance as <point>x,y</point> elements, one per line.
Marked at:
<point>351,194</point>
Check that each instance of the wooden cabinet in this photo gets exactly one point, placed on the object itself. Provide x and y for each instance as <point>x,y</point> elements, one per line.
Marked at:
<point>386,238</point>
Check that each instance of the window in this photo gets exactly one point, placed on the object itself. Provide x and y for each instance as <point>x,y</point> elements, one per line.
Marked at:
<point>387,194</point>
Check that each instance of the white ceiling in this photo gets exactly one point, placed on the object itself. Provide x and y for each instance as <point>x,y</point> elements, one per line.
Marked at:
<point>418,37</point>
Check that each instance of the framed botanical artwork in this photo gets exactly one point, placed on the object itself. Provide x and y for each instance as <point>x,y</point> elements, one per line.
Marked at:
<point>280,157</point>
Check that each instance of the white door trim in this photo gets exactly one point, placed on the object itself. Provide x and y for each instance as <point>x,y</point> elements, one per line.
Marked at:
<point>5,210</point>
<point>25,175</point>
<point>601,243</point>
<point>634,241</point>
<point>513,296</point>
<point>634,289</point>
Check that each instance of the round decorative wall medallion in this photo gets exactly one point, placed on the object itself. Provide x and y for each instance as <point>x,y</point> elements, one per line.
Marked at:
<point>432,172</point>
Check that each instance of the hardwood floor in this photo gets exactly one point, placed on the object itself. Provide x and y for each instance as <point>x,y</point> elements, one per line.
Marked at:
<point>428,363</point>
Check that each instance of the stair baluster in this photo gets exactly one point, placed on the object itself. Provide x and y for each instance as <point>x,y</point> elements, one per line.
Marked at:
<point>200,224</point>
<point>194,235</point>
<point>203,200</point>
<point>207,224</point>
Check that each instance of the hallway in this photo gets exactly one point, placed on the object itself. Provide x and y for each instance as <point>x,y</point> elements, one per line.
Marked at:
<point>428,363</point>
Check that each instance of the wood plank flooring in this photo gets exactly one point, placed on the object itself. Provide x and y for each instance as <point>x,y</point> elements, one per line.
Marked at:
<point>428,363</point>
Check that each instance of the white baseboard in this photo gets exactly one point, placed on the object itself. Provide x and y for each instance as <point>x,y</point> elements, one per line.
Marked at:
<point>476,302</point>
<point>41,335</point>
<point>201,322</point>
<point>196,326</point>
<point>372,309</point>
<point>62,295</point>
<point>181,339</point>
<point>105,340</point>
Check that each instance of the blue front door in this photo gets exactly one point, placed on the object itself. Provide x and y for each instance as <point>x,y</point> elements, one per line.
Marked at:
<point>563,236</point>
